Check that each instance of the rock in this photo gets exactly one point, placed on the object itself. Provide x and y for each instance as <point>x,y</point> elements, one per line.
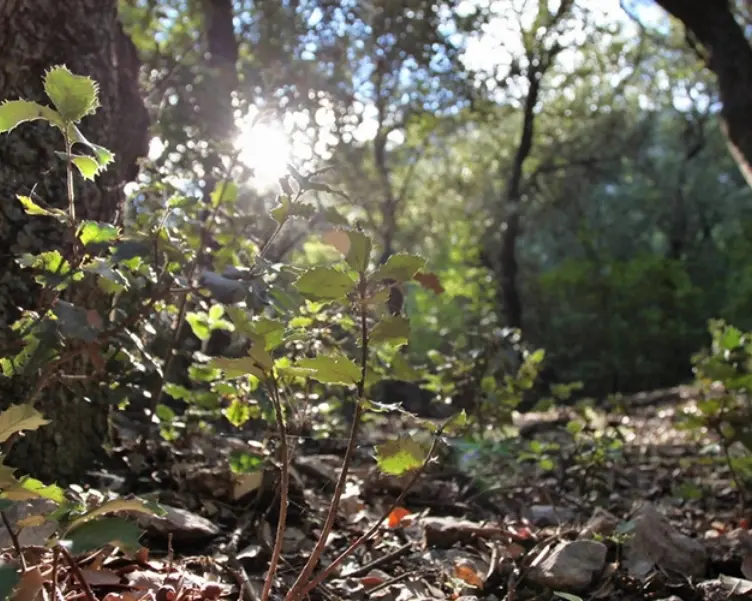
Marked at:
<point>602,523</point>
<point>549,515</point>
<point>657,544</point>
<point>571,566</point>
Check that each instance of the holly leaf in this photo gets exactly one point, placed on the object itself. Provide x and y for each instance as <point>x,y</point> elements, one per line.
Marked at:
<point>97,232</point>
<point>131,505</point>
<point>74,96</point>
<point>15,112</point>
<point>355,247</point>
<point>235,368</point>
<point>400,268</point>
<point>87,166</point>
<point>97,533</point>
<point>331,370</point>
<point>224,192</point>
<point>324,283</point>
<point>399,456</point>
<point>32,208</point>
<point>238,413</point>
<point>394,329</point>
<point>17,418</point>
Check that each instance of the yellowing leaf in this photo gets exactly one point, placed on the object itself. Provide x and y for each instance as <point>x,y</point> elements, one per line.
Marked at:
<point>19,417</point>
<point>400,455</point>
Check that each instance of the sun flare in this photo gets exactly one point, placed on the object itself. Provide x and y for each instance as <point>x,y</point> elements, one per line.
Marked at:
<point>265,148</point>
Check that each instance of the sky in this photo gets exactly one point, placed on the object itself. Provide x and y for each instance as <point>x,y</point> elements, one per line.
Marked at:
<point>268,147</point>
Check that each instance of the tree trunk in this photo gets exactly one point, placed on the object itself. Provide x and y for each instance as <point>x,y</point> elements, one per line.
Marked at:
<point>87,37</point>
<point>729,56</point>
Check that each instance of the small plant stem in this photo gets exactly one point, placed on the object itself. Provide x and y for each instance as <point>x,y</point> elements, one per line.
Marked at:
<point>77,573</point>
<point>326,572</point>
<point>284,486</point>
<point>14,540</point>
<point>69,178</point>
<point>169,357</point>
<point>297,591</point>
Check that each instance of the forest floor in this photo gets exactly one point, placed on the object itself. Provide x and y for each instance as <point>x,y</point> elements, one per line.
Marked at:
<point>659,519</point>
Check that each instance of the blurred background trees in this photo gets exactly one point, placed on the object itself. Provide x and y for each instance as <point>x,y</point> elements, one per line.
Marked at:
<point>564,166</point>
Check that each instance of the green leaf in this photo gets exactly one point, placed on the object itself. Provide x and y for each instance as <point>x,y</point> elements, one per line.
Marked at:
<point>400,267</point>
<point>235,368</point>
<point>238,413</point>
<point>31,488</point>
<point>199,325</point>
<point>402,369</point>
<point>104,157</point>
<point>19,417</point>
<point>281,212</point>
<point>331,370</point>
<point>394,329</point>
<point>75,322</point>
<point>87,166</point>
<point>15,112</point>
<point>355,247</point>
<point>134,505</point>
<point>457,422</point>
<point>33,208</point>
<point>324,283</point>
<point>97,232</point>
<point>74,96</point>
<point>224,192</point>
<point>10,576</point>
<point>95,534</point>
<point>401,455</point>
<point>216,312</point>
<point>165,413</point>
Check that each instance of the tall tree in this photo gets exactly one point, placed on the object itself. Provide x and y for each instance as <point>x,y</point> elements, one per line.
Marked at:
<point>86,36</point>
<point>712,24</point>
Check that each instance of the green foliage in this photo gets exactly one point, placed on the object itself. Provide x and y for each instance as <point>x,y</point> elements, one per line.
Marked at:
<point>723,374</point>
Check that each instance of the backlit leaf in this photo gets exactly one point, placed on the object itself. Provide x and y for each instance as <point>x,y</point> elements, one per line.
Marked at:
<point>331,370</point>
<point>15,112</point>
<point>17,418</point>
<point>97,232</point>
<point>400,268</point>
<point>87,166</point>
<point>324,283</point>
<point>401,455</point>
<point>74,96</point>
<point>394,329</point>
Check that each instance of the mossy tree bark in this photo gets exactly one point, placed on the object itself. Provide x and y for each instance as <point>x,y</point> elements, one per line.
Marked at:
<point>87,37</point>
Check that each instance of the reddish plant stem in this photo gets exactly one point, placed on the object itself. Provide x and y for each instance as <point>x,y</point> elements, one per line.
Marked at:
<point>297,591</point>
<point>326,572</point>
<point>284,490</point>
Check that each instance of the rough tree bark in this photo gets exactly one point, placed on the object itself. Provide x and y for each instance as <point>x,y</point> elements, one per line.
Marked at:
<point>87,37</point>
<point>711,23</point>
